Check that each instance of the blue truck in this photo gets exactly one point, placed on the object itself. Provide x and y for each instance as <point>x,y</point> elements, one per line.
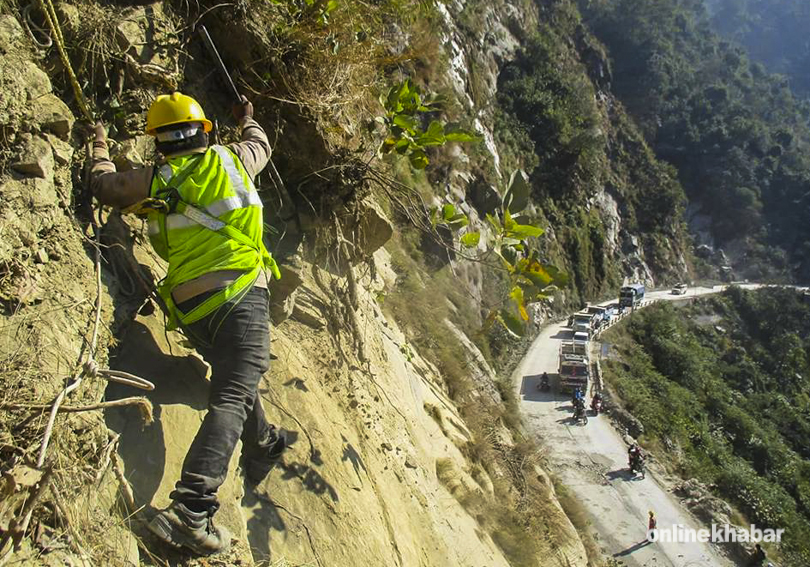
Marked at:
<point>631,295</point>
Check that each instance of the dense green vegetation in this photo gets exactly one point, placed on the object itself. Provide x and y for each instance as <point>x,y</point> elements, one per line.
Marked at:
<point>774,32</point>
<point>737,136</point>
<point>723,387</point>
<point>555,119</point>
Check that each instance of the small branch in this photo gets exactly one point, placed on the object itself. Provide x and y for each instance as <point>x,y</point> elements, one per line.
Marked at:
<point>107,456</point>
<point>144,405</point>
<point>123,483</point>
<point>16,530</point>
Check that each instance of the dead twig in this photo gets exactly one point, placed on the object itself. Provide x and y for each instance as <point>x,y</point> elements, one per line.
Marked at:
<point>16,530</point>
<point>143,404</point>
<point>106,456</point>
<point>123,483</point>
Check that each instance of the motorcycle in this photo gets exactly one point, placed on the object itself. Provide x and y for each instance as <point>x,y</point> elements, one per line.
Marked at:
<point>637,465</point>
<point>596,406</point>
<point>580,415</point>
<point>545,384</point>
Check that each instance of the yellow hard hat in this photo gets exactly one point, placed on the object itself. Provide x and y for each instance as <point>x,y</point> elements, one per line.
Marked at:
<point>175,108</point>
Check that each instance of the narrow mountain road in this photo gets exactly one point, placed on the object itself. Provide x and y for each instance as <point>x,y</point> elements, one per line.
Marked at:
<point>591,460</point>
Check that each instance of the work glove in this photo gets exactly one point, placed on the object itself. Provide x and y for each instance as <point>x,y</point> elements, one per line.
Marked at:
<point>99,132</point>
<point>242,109</point>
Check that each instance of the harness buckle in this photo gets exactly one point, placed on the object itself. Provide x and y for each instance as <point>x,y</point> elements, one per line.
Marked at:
<point>147,206</point>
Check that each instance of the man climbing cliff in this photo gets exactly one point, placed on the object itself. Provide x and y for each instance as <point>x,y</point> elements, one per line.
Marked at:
<point>205,219</point>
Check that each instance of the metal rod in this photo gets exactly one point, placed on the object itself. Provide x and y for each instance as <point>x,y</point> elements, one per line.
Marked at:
<point>223,72</point>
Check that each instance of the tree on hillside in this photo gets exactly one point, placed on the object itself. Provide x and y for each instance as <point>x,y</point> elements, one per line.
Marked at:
<point>737,136</point>
<point>773,32</point>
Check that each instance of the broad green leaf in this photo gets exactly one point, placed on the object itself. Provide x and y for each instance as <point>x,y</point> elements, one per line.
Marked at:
<point>455,134</point>
<point>461,137</point>
<point>405,91</point>
<point>543,276</point>
<point>471,239</point>
<point>517,194</point>
<point>559,277</point>
<point>448,211</point>
<point>406,122</point>
<point>419,159</point>
<point>512,323</point>
<point>387,145</point>
<point>331,5</point>
<point>434,135</point>
<point>526,230</point>
<point>395,95</point>
<point>402,146</point>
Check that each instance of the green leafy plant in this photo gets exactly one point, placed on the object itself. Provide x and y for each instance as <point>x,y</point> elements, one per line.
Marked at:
<point>405,349</point>
<point>318,10</point>
<point>404,104</point>
<point>530,279</point>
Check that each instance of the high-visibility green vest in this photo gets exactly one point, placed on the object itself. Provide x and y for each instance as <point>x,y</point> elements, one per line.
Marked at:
<point>217,184</point>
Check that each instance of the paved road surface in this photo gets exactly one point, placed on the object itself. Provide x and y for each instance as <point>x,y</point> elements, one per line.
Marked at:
<point>591,461</point>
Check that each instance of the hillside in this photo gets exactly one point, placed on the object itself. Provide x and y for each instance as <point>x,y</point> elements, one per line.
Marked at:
<point>771,32</point>
<point>720,389</point>
<point>736,134</point>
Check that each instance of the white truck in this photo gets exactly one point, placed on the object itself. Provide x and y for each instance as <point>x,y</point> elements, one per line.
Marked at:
<point>575,366</point>
<point>583,322</point>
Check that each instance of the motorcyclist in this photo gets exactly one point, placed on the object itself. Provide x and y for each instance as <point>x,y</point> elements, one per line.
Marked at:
<point>579,408</point>
<point>635,457</point>
<point>578,395</point>
<point>544,381</point>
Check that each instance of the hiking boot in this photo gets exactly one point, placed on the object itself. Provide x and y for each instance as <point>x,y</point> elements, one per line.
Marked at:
<point>257,467</point>
<point>180,527</point>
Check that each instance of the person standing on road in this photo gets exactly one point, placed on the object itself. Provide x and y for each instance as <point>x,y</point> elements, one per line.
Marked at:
<point>652,525</point>
<point>205,219</point>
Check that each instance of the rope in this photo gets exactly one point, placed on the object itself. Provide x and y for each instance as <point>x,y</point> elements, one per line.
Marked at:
<point>91,370</point>
<point>29,23</point>
<point>58,38</point>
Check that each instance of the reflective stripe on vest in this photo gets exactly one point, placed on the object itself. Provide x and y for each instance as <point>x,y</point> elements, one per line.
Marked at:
<point>244,197</point>
<point>215,209</point>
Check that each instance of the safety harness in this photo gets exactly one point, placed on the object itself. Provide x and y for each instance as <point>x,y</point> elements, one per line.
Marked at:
<point>169,201</point>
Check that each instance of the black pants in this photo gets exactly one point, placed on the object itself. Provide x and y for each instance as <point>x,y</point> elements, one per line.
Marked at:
<point>235,341</point>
